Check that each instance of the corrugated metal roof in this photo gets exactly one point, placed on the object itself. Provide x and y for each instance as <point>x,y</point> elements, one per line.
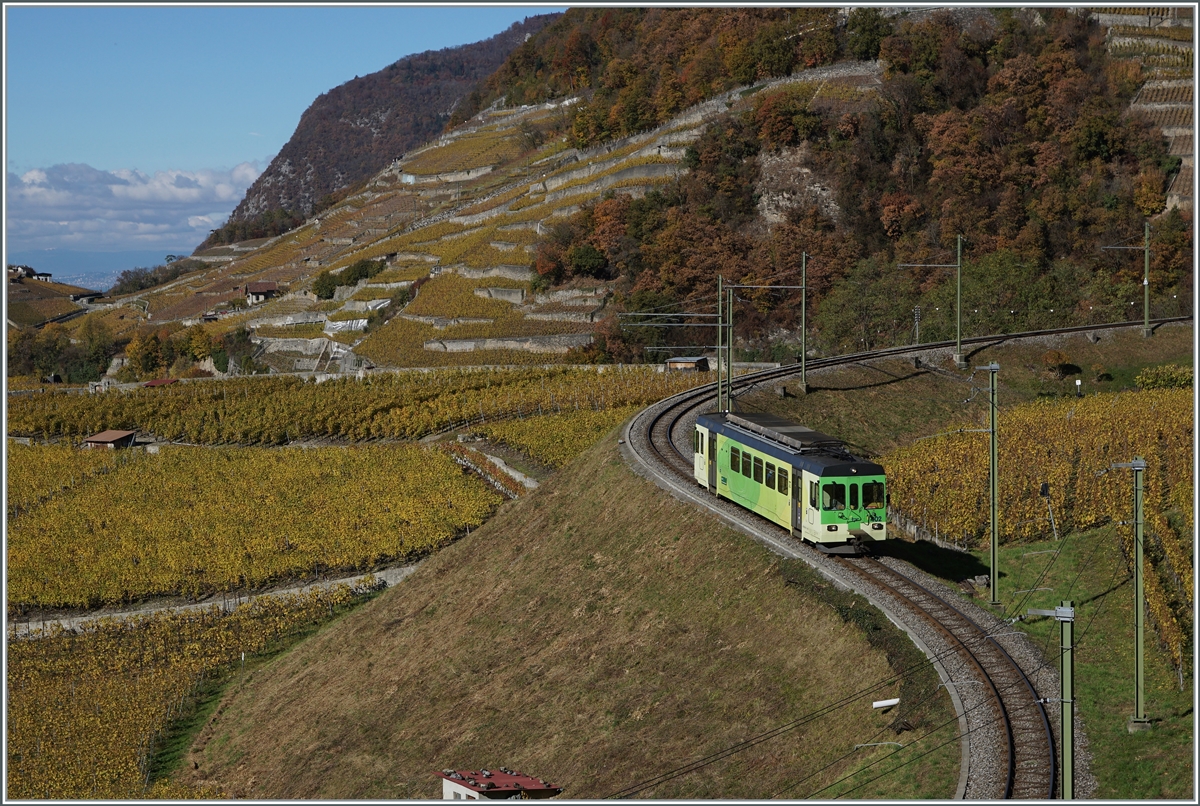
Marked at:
<point>260,287</point>
<point>498,781</point>
<point>160,382</point>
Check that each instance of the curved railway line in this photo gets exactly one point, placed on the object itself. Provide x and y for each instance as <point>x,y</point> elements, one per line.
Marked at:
<point>993,674</point>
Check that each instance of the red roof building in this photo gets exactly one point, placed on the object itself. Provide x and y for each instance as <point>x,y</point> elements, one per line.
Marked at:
<point>501,784</point>
<point>111,439</point>
<point>160,382</point>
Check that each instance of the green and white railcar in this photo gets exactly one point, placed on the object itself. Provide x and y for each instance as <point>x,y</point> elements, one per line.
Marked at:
<point>803,480</point>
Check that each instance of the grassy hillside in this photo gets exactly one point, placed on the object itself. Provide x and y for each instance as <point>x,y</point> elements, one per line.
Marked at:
<point>1090,570</point>
<point>596,633</point>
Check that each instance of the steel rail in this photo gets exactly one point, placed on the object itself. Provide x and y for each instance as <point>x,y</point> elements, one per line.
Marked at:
<point>1030,755</point>
<point>663,423</point>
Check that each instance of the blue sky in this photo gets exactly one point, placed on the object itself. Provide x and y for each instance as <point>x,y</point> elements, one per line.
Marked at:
<point>139,128</point>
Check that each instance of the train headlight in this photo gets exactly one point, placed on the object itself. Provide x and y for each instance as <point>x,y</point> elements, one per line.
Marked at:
<point>832,527</point>
<point>876,525</point>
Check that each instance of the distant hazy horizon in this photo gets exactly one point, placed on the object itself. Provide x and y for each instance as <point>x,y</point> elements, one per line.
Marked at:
<point>95,270</point>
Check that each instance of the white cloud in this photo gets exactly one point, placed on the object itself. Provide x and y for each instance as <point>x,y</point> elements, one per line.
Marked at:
<point>79,207</point>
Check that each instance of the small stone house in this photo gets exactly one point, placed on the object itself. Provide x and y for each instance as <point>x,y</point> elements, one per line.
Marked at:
<point>260,292</point>
<point>688,363</point>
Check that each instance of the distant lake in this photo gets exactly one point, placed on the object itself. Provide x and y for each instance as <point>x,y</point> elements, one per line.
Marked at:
<point>95,270</point>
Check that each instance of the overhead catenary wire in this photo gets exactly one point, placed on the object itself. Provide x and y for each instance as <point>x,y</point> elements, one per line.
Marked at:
<point>798,722</point>
<point>977,727</point>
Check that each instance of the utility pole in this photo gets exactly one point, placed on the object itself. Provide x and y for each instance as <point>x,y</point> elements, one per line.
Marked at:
<point>1138,721</point>
<point>1145,247</point>
<point>1065,615</point>
<point>729,350</point>
<point>803,321</point>
<point>959,360</point>
<point>729,288</point>
<point>993,479</point>
<point>720,322</point>
<point>1146,332</point>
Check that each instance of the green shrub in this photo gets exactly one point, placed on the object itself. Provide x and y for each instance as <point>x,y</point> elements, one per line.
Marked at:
<point>1168,376</point>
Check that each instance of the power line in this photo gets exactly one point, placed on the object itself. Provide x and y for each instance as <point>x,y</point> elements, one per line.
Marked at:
<point>799,722</point>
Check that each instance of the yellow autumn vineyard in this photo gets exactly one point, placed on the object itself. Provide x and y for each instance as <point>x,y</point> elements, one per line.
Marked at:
<point>277,410</point>
<point>86,709</point>
<point>1072,444</point>
<point>37,472</point>
<point>197,520</point>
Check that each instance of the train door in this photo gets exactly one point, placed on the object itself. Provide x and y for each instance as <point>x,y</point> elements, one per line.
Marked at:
<point>712,461</point>
<point>811,500</point>
<point>797,489</point>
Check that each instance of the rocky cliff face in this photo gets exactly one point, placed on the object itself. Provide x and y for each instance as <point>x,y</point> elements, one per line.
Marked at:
<point>356,129</point>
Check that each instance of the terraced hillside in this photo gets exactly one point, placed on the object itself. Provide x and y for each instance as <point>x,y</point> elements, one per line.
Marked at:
<point>455,223</point>
<point>1161,39</point>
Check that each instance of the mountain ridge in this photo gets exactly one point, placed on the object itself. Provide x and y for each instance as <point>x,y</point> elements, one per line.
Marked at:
<point>341,139</point>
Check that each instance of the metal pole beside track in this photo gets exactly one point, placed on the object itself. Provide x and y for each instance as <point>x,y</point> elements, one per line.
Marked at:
<point>959,361</point>
<point>803,321</point>
<point>720,329</point>
<point>993,480</point>
<point>729,350</point>
<point>1138,721</point>
<point>1146,331</point>
<point>1067,683</point>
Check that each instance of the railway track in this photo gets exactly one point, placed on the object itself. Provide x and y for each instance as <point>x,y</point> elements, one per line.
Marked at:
<point>1017,717</point>
<point>1008,742</point>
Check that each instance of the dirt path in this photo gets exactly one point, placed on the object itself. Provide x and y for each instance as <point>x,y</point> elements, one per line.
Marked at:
<point>24,627</point>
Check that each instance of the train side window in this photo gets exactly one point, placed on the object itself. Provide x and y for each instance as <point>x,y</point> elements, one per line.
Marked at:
<point>735,460</point>
<point>758,468</point>
<point>812,494</point>
<point>783,481</point>
<point>695,441</point>
<point>712,445</point>
<point>833,496</point>
<point>854,496</point>
<point>747,465</point>
<point>770,478</point>
<point>701,446</point>
<point>873,495</point>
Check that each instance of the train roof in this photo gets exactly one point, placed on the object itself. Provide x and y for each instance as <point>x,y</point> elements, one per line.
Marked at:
<point>796,444</point>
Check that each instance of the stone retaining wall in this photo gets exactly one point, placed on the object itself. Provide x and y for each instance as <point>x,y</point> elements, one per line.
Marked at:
<point>441,322</point>
<point>453,176</point>
<point>532,344</point>
<point>345,325</point>
<point>522,273</point>
<point>565,316</point>
<point>303,318</point>
<point>302,346</point>
<point>513,295</point>
<point>656,170</point>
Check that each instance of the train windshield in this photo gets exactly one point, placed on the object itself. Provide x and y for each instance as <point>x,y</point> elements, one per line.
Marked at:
<point>833,496</point>
<point>873,497</point>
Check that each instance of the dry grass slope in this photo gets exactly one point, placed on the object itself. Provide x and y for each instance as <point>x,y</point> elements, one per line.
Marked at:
<point>594,638</point>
